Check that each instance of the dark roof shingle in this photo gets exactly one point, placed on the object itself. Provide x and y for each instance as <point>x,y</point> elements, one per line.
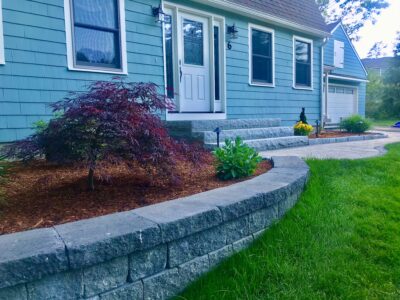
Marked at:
<point>379,63</point>
<point>302,12</point>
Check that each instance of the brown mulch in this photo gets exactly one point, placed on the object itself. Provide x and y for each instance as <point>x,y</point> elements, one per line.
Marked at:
<point>42,195</point>
<point>335,134</point>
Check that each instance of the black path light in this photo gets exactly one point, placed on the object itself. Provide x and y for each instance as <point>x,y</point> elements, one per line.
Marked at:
<point>217,131</point>
<point>317,132</point>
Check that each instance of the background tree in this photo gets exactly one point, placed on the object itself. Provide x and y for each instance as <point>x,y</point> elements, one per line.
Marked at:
<point>396,49</point>
<point>353,13</point>
<point>377,50</point>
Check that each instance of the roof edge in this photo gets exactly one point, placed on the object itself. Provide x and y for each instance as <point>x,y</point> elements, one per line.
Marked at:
<point>243,10</point>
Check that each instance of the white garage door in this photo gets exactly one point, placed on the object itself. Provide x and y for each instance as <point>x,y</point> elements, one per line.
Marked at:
<point>342,102</point>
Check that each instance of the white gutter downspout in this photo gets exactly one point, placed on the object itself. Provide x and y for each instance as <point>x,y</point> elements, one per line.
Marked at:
<point>324,95</point>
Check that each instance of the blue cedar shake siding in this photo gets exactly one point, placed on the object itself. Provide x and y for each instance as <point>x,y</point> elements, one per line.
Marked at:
<point>36,74</point>
<point>352,66</point>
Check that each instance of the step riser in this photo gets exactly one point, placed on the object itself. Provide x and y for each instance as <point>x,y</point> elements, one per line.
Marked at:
<point>247,134</point>
<point>272,144</point>
<point>210,125</point>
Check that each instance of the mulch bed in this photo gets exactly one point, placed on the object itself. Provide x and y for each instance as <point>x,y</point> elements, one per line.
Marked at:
<point>43,195</point>
<point>335,134</point>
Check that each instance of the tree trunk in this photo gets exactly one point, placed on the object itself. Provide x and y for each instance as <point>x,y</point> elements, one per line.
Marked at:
<point>91,179</point>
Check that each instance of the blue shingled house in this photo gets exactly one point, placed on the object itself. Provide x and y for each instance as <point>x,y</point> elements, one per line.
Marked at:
<point>219,60</point>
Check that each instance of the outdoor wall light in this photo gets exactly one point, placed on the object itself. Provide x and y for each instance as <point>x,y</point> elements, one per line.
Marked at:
<point>159,14</point>
<point>232,34</point>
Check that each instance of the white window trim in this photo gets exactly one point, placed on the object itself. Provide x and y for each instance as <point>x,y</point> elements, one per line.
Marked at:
<point>2,56</point>
<point>272,32</point>
<point>301,39</point>
<point>70,47</point>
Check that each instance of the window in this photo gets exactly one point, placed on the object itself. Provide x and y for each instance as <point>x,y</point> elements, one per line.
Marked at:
<point>169,56</point>
<point>216,64</point>
<point>96,35</point>
<point>2,60</point>
<point>261,56</point>
<point>303,58</point>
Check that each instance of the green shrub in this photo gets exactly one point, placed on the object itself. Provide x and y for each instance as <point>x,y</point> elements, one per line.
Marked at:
<point>355,124</point>
<point>236,160</point>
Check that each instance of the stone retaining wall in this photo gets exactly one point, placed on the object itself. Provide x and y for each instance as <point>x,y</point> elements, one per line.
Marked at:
<point>151,252</point>
<point>353,138</point>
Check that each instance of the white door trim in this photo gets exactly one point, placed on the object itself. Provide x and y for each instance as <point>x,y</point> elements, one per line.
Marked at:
<point>218,108</point>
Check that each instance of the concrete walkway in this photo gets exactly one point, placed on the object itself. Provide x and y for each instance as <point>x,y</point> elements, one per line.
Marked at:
<point>349,150</point>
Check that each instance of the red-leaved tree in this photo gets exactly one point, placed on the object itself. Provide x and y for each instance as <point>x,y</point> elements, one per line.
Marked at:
<point>113,122</point>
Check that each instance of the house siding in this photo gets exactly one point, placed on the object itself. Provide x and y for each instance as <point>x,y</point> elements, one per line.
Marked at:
<point>36,74</point>
<point>352,66</point>
<point>281,101</point>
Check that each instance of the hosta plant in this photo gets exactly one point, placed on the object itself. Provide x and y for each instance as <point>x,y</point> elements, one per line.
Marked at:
<point>236,160</point>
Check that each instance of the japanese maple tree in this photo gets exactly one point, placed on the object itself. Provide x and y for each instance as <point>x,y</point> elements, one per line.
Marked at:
<point>113,122</point>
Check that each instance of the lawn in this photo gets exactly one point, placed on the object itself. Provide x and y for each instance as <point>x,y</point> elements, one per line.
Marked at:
<point>341,241</point>
<point>384,123</point>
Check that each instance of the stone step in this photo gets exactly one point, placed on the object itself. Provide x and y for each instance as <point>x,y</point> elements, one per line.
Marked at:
<point>245,134</point>
<point>210,125</point>
<point>271,143</point>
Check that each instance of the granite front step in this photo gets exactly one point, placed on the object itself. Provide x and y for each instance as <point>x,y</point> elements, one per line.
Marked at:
<point>271,143</point>
<point>245,134</point>
<point>210,125</point>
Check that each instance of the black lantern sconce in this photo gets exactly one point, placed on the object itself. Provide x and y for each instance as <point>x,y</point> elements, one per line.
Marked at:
<point>232,34</point>
<point>159,14</point>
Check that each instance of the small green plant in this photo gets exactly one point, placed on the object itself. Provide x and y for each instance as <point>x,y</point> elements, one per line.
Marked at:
<point>236,160</point>
<point>355,124</point>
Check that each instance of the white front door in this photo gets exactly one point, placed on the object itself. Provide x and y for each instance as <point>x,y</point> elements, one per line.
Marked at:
<point>194,63</point>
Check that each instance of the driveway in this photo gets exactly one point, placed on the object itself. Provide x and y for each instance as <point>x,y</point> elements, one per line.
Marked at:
<point>349,150</point>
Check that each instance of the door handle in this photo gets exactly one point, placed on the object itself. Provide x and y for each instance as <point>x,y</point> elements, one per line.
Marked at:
<point>180,74</point>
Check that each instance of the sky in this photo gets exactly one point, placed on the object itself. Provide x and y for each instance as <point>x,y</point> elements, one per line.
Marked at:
<point>388,22</point>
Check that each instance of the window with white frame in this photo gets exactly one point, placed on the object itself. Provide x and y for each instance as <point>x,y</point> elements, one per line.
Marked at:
<point>96,38</point>
<point>261,55</point>
<point>2,59</point>
<point>303,58</point>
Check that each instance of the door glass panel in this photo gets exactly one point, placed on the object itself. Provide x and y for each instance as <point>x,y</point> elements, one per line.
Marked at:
<point>169,56</point>
<point>193,42</point>
<point>216,62</point>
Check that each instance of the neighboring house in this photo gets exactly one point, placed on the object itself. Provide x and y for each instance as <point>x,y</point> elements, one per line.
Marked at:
<point>217,59</point>
<point>379,65</point>
<point>345,77</point>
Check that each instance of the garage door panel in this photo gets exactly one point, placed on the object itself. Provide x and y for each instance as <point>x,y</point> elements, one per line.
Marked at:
<point>341,102</point>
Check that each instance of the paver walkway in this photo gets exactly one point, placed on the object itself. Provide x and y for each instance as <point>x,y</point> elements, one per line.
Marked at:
<point>349,150</point>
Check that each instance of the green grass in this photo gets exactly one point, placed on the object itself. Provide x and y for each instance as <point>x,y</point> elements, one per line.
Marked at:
<point>341,241</point>
<point>384,123</point>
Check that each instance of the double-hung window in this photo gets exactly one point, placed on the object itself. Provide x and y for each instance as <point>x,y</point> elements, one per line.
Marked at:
<point>303,58</point>
<point>2,60</point>
<point>261,56</point>
<point>97,35</point>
